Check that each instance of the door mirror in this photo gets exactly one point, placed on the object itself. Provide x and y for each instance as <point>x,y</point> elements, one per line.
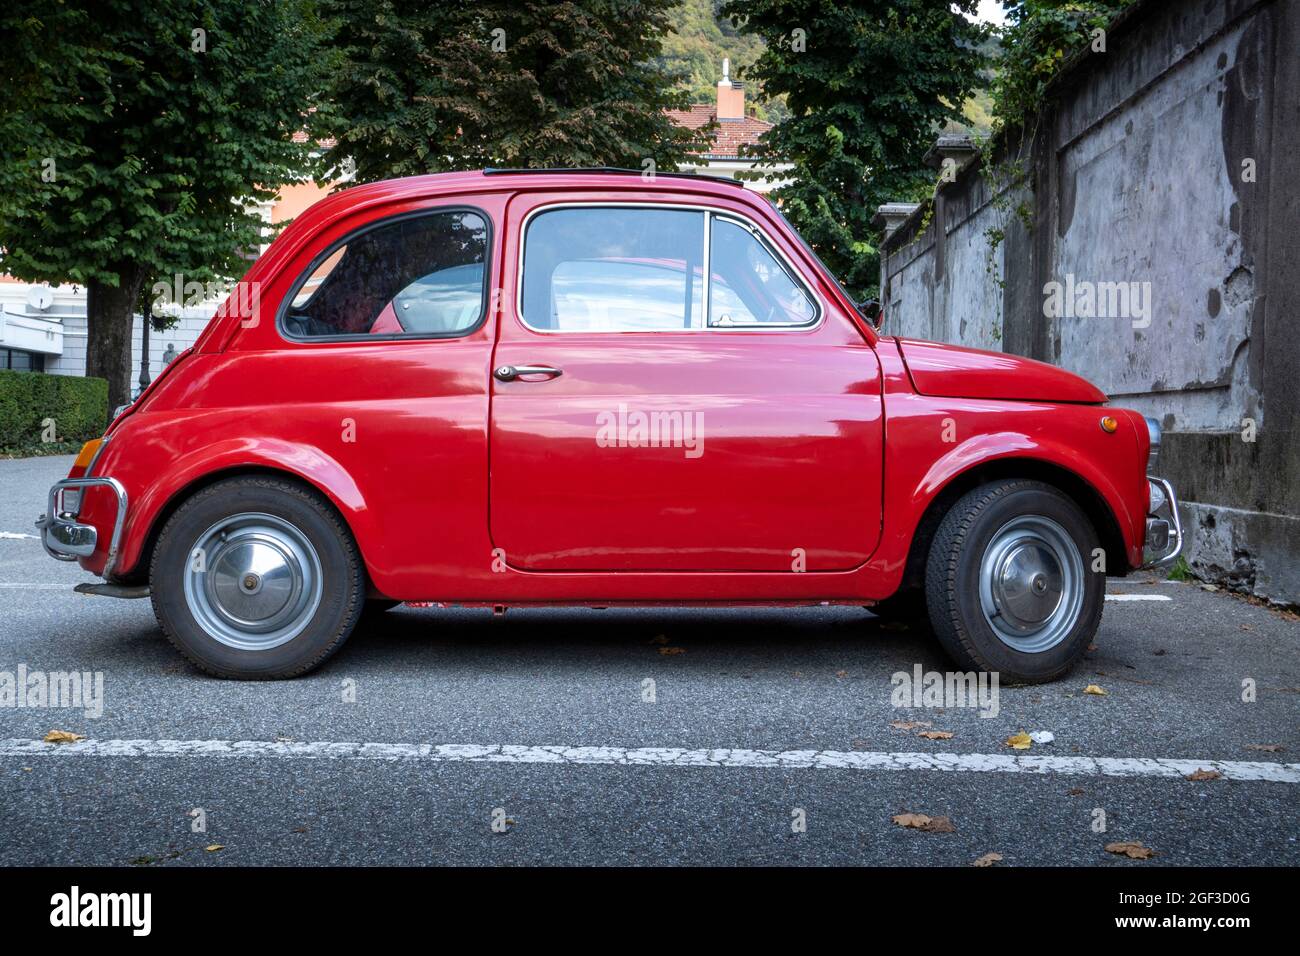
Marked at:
<point>874,314</point>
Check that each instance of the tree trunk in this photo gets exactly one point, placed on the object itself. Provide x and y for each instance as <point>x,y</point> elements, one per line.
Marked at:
<point>108,326</point>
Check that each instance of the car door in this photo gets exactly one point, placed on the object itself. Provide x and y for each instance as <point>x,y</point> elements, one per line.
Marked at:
<point>645,420</point>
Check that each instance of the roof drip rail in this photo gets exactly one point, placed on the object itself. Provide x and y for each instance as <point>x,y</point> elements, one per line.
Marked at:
<point>727,181</point>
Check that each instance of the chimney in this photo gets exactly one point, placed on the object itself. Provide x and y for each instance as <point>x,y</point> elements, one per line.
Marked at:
<point>731,96</point>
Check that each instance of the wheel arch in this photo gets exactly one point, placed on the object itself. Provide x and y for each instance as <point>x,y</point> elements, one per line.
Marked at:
<point>1078,489</point>
<point>139,573</point>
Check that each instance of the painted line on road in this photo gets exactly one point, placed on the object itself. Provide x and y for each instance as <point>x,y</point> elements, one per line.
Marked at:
<point>658,757</point>
<point>17,536</point>
<point>38,587</point>
<point>1138,597</point>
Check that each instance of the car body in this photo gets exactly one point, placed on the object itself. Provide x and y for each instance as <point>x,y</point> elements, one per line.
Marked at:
<point>749,440</point>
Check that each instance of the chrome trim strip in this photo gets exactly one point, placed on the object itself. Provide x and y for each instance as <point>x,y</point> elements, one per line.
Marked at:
<point>54,509</point>
<point>795,273</point>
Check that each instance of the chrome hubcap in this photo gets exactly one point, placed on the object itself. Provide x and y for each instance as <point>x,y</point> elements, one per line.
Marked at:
<point>254,581</point>
<point>1031,583</point>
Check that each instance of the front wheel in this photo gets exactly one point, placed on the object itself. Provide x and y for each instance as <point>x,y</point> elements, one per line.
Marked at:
<point>1009,581</point>
<point>256,578</point>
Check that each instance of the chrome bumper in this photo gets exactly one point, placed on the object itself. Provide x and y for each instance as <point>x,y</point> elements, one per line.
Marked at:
<point>1164,538</point>
<point>66,539</point>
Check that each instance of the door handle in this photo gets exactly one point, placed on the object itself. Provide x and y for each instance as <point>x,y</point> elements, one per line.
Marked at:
<point>508,373</point>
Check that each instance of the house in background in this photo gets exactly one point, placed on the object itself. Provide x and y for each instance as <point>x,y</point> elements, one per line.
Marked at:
<point>736,129</point>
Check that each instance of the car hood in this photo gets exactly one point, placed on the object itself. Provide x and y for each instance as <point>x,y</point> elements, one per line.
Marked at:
<point>950,371</point>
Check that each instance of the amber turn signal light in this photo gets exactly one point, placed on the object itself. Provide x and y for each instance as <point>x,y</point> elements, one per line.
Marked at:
<point>1109,425</point>
<point>87,453</point>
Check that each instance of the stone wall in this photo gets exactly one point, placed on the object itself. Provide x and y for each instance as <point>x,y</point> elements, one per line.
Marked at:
<point>1150,241</point>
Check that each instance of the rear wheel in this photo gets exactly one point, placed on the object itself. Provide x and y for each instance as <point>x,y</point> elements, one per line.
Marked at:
<point>256,578</point>
<point>1009,581</point>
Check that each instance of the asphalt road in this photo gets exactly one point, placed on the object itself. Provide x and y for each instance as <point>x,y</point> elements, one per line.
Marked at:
<point>814,680</point>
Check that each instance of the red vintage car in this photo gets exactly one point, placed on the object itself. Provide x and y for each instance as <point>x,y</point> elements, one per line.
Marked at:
<point>588,387</point>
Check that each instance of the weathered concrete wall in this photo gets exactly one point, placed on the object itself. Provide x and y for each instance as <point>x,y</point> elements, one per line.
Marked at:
<point>1162,261</point>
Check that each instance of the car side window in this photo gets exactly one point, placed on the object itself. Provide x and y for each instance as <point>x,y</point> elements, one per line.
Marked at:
<point>641,269</point>
<point>421,276</point>
<point>613,269</point>
<point>749,286</point>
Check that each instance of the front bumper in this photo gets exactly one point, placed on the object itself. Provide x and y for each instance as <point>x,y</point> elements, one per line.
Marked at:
<point>65,539</point>
<point>1164,535</point>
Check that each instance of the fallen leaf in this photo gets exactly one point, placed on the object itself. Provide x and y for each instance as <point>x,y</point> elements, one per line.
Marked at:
<point>1202,774</point>
<point>670,651</point>
<point>841,673</point>
<point>935,735</point>
<point>1074,792</point>
<point>1094,689</point>
<point>909,724</point>
<point>1246,627</point>
<point>1020,741</point>
<point>919,821</point>
<point>1267,748</point>
<point>1091,647</point>
<point>988,859</point>
<point>62,737</point>
<point>1132,849</point>
<point>215,848</point>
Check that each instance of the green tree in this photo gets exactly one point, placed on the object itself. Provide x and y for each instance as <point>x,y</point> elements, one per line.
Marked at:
<point>868,83</point>
<point>1039,38</point>
<point>134,139</point>
<point>427,87</point>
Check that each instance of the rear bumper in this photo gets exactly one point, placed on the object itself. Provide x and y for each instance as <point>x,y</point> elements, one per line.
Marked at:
<point>1164,530</point>
<point>66,539</point>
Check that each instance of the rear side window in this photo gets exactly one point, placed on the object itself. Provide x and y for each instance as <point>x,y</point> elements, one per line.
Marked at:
<point>421,276</point>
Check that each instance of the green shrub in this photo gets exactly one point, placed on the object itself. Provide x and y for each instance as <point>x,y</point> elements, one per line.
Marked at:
<point>37,410</point>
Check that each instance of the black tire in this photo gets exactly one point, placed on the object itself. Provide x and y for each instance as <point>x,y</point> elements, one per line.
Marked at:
<point>341,571</point>
<point>952,581</point>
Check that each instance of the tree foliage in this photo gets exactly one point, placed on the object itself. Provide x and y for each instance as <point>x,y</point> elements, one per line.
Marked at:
<point>134,138</point>
<point>869,83</point>
<point>1039,38</point>
<point>427,87</point>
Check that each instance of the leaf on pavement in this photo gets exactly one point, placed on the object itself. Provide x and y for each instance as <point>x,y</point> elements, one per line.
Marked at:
<point>988,859</point>
<point>669,651</point>
<point>909,724</point>
<point>1267,748</point>
<point>928,824</point>
<point>935,735</point>
<point>1020,741</point>
<point>62,737</point>
<point>1133,849</point>
<point>1094,689</point>
<point>1202,774</point>
<point>215,848</point>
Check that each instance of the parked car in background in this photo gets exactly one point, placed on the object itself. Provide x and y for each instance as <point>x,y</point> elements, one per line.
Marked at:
<point>522,388</point>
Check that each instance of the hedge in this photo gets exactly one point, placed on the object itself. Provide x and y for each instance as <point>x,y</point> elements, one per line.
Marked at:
<point>78,407</point>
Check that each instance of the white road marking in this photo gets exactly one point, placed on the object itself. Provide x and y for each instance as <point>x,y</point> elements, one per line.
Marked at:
<point>37,587</point>
<point>658,757</point>
<point>17,536</point>
<point>1138,597</point>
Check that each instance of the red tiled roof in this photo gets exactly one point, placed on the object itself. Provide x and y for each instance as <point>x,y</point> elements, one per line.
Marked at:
<point>730,134</point>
